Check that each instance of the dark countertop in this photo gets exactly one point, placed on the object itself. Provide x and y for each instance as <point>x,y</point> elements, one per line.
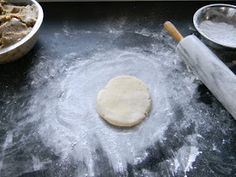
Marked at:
<point>48,123</point>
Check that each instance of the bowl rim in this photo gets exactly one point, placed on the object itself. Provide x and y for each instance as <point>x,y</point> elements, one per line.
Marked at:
<point>196,25</point>
<point>31,33</point>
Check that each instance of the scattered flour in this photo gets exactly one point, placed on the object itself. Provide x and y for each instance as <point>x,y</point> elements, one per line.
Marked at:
<point>7,142</point>
<point>62,109</point>
<point>37,165</point>
<point>185,157</point>
<point>76,127</point>
<point>70,125</point>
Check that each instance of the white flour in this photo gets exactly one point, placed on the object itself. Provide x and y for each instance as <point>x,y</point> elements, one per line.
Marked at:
<point>220,32</point>
<point>62,108</point>
<point>74,127</point>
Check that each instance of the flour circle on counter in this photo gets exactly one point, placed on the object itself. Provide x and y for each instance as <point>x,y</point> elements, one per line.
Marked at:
<point>125,101</point>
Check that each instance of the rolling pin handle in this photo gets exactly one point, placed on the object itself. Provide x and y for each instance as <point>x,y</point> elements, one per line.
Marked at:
<point>172,30</point>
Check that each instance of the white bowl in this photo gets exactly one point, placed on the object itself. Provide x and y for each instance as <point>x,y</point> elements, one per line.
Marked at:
<point>20,48</point>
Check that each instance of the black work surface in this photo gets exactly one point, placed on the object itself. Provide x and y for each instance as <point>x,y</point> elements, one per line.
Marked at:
<point>36,106</point>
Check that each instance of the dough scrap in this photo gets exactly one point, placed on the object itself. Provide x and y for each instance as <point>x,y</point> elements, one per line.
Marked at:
<point>16,21</point>
<point>125,101</point>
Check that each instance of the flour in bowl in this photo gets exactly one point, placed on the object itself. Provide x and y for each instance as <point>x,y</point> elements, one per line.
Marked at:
<point>220,32</point>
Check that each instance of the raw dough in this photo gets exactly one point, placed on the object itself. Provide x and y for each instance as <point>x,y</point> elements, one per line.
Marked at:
<point>125,101</point>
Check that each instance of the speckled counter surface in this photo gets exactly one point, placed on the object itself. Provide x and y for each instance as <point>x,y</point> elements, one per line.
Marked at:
<point>48,123</point>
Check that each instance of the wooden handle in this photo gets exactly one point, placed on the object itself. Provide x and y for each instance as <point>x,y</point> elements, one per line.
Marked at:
<point>173,31</point>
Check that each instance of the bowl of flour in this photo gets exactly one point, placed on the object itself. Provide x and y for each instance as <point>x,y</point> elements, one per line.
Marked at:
<point>217,25</point>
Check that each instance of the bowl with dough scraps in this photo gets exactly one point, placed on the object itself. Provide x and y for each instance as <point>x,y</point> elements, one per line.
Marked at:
<point>20,21</point>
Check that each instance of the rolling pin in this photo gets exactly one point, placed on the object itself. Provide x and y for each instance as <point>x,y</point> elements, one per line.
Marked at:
<point>215,75</point>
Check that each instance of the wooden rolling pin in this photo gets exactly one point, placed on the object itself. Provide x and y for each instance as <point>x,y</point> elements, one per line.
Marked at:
<point>217,77</point>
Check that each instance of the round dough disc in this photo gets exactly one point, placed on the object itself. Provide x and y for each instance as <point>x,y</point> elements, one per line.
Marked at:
<point>125,101</point>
